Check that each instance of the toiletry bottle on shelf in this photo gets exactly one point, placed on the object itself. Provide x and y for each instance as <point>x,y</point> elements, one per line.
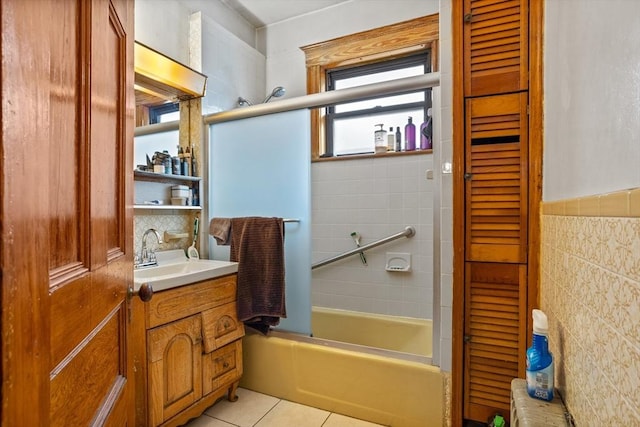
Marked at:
<point>186,162</point>
<point>540,360</point>
<point>175,165</point>
<point>181,160</point>
<point>380,139</point>
<point>426,132</point>
<point>410,136</point>
<point>194,163</point>
<point>166,162</point>
<point>391,140</point>
<point>398,139</point>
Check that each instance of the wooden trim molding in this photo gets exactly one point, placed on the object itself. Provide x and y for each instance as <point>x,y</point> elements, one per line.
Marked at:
<point>457,309</point>
<point>367,47</point>
<point>536,92</point>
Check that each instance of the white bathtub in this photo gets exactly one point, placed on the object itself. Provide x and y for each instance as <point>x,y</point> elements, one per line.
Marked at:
<point>389,387</point>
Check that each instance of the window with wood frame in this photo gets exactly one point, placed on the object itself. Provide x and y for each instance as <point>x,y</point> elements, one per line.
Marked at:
<point>384,44</point>
<point>349,126</point>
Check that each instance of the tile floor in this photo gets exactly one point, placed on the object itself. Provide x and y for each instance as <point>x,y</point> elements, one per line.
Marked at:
<point>260,410</point>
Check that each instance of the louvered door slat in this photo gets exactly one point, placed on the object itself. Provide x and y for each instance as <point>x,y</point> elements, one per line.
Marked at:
<point>495,298</point>
<point>491,5</point>
<point>496,188</point>
<point>506,37</point>
<point>496,47</point>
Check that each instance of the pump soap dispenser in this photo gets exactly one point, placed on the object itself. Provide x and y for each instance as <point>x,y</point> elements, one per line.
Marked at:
<point>380,139</point>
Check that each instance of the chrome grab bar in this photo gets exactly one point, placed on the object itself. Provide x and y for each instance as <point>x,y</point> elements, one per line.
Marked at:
<point>409,231</point>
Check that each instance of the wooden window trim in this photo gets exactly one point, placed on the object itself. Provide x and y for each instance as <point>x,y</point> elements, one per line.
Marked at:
<point>376,45</point>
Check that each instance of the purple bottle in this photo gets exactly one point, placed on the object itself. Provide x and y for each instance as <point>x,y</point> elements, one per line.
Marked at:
<point>410,136</point>
<point>425,135</point>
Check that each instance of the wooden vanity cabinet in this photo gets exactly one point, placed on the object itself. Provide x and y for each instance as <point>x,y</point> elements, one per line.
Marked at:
<point>193,350</point>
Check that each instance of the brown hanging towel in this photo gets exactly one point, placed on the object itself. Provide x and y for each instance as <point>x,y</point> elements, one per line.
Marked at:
<point>257,244</point>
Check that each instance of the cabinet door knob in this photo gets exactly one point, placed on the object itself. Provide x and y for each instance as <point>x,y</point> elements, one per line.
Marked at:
<point>468,17</point>
<point>145,292</point>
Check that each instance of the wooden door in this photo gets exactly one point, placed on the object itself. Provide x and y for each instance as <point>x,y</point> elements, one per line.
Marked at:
<point>496,175</point>
<point>67,135</point>
<point>496,46</point>
<point>175,368</point>
<point>495,336</point>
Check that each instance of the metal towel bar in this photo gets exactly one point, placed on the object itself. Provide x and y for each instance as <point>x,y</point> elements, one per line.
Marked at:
<point>409,231</point>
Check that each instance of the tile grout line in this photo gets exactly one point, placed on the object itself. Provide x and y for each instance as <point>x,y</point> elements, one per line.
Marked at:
<point>265,414</point>
<point>326,419</point>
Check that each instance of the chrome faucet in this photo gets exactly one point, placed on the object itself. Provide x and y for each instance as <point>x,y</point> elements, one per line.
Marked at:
<point>147,258</point>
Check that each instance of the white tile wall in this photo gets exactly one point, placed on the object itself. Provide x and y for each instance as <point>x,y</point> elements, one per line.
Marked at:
<point>376,198</point>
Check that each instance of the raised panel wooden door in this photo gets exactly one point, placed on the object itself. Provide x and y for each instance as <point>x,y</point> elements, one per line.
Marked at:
<point>175,368</point>
<point>495,336</point>
<point>495,46</point>
<point>67,135</point>
<point>496,175</point>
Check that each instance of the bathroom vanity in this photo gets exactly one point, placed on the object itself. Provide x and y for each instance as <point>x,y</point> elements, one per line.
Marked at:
<point>192,351</point>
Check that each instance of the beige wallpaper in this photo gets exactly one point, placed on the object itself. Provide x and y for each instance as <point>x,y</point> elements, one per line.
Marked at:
<point>590,290</point>
<point>165,221</point>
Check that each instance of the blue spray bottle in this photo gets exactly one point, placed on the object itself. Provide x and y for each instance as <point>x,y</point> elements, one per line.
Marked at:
<point>540,360</point>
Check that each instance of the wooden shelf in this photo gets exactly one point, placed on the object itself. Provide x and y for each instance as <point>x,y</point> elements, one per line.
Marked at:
<point>168,207</point>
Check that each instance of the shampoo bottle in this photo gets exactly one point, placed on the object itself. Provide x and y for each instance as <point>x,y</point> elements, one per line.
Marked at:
<point>410,136</point>
<point>540,360</point>
<point>391,140</point>
<point>398,139</point>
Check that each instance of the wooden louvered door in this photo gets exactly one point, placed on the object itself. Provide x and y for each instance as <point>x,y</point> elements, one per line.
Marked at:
<point>496,178</point>
<point>495,300</point>
<point>497,56</point>
<point>496,46</point>
<point>496,221</point>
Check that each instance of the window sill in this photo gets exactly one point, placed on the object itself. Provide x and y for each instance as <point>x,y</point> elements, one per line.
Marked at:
<point>372,155</point>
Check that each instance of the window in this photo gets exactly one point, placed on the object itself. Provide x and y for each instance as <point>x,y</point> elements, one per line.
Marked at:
<point>350,127</point>
<point>164,113</point>
<point>378,53</point>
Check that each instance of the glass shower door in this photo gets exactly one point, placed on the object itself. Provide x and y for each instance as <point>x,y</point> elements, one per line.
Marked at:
<point>260,166</point>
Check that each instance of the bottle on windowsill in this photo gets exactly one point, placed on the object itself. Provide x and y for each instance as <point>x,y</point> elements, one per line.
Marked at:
<point>426,142</point>
<point>380,140</point>
<point>391,139</point>
<point>410,136</point>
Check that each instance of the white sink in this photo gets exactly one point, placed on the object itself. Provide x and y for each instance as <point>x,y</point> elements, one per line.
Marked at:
<point>175,269</point>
